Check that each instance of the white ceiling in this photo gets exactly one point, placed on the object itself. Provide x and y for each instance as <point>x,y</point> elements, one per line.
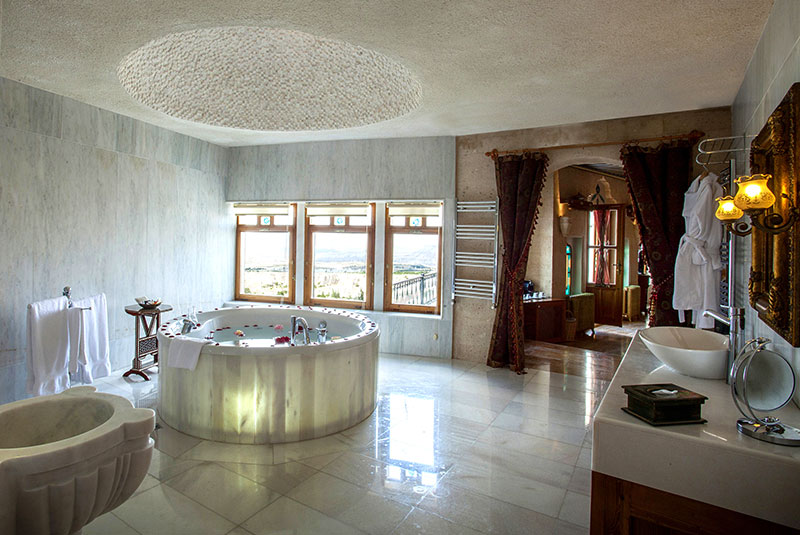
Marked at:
<point>483,66</point>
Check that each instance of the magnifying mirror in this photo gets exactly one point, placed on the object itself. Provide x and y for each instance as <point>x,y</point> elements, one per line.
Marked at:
<point>762,380</point>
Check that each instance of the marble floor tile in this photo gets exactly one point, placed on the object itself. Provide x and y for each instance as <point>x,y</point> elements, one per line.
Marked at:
<point>239,530</point>
<point>108,524</point>
<point>581,481</point>
<point>206,450</point>
<point>553,431</point>
<point>467,412</point>
<point>163,467</point>
<point>163,510</point>
<point>586,406</point>
<point>420,522</point>
<point>489,459</point>
<point>396,481</point>
<point>350,504</point>
<point>279,477</point>
<point>297,451</point>
<point>585,458</point>
<point>225,492</point>
<point>469,398</point>
<point>285,516</point>
<point>532,445</point>
<point>320,461</point>
<point>453,447</point>
<point>147,483</point>
<point>548,414</point>
<point>172,442</point>
<point>575,509</point>
<point>488,515</point>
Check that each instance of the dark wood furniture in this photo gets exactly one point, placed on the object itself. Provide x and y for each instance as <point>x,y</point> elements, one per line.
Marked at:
<point>545,319</point>
<point>621,507</point>
<point>148,320</point>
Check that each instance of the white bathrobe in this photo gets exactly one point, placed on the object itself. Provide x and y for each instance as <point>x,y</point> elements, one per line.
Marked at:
<point>697,265</point>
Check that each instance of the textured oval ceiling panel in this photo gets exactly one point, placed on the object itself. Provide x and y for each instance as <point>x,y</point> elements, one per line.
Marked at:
<point>267,79</point>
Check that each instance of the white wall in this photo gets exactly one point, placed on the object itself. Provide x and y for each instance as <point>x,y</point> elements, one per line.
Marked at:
<point>376,169</point>
<point>103,203</point>
<point>774,67</point>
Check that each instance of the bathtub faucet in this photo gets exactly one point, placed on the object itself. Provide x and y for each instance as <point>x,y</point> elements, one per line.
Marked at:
<point>187,327</point>
<point>294,321</point>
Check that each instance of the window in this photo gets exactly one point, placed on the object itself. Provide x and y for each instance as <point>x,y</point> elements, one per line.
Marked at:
<point>413,257</point>
<point>569,269</point>
<point>265,252</point>
<point>339,252</point>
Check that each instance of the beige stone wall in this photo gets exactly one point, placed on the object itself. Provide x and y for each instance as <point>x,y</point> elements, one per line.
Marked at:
<point>475,181</point>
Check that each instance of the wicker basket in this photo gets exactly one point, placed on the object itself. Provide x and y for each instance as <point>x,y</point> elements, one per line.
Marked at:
<point>570,328</point>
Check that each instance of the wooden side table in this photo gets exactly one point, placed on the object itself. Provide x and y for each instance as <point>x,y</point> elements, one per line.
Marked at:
<point>545,319</point>
<point>148,320</point>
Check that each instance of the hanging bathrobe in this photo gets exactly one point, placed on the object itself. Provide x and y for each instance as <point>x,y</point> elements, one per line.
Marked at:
<point>697,265</point>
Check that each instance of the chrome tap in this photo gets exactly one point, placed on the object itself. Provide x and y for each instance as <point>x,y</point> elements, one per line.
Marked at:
<point>187,326</point>
<point>190,321</point>
<point>294,320</point>
<point>735,321</point>
<point>322,332</point>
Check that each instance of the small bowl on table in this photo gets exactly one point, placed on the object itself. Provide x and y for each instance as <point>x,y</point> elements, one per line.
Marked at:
<point>148,304</point>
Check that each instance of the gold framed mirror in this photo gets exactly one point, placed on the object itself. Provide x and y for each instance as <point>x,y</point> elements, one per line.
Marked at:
<point>774,286</point>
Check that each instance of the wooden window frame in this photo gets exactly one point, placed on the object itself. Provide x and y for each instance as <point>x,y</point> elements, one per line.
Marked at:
<point>272,227</point>
<point>389,263</point>
<point>308,276</point>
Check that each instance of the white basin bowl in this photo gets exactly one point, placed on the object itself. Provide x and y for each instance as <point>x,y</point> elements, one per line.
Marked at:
<point>692,352</point>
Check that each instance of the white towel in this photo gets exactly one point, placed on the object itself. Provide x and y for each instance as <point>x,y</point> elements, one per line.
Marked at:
<point>184,351</point>
<point>89,347</point>
<point>48,347</point>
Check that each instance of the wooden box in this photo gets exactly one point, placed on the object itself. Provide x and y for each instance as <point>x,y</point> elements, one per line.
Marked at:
<point>664,404</point>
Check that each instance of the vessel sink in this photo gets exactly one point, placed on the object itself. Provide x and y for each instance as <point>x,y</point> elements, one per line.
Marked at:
<point>692,352</point>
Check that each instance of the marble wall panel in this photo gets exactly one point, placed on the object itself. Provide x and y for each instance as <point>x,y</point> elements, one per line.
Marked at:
<point>26,108</point>
<point>407,168</point>
<point>109,204</point>
<point>88,125</point>
<point>19,162</point>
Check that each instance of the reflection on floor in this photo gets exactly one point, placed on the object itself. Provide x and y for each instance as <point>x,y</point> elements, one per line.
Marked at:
<point>608,338</point>
<point>454,447</point>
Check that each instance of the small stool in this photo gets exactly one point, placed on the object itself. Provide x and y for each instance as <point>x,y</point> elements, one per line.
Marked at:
<point>148,320</point>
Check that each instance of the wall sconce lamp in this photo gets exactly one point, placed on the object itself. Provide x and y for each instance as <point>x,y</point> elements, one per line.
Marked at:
<point>753,198</point>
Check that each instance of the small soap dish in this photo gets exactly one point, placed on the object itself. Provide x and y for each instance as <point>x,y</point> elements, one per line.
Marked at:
<point>664,404</point>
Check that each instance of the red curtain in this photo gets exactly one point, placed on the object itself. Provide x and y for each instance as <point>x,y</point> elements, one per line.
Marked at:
<point>520,179</point>
<point>657,179</point>
<point>602,217</point>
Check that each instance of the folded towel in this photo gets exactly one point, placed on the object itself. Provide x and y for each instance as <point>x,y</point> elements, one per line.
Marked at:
<point>48,347</point>
<point>89,346</point>
<point>184,352</point>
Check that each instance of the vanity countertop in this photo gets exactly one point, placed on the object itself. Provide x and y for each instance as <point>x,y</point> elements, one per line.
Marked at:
<point>711,463</point>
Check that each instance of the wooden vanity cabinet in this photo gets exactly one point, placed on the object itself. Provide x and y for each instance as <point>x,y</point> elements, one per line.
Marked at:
<point>621,507</point>
<point>545,319</point>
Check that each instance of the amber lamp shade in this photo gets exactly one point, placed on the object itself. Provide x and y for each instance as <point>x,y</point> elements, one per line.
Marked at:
<point>753,193</point>
<point>727,209</point>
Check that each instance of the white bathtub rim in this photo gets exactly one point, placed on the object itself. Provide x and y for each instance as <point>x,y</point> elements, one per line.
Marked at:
<point>127,421</point>
<point>370,333</point>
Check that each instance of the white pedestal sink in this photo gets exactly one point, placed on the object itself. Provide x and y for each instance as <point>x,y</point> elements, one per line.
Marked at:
<point>692,352</point>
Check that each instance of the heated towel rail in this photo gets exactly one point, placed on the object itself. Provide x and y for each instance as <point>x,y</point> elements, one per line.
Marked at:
<point>481,288</point>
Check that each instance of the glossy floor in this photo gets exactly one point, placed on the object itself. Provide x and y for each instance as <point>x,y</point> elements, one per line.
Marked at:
<point>453,447</point>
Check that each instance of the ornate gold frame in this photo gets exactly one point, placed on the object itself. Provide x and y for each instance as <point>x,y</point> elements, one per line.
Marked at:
<point>774,285</point>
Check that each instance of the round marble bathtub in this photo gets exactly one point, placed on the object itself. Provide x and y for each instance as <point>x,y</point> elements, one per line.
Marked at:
<point>250,392</point>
